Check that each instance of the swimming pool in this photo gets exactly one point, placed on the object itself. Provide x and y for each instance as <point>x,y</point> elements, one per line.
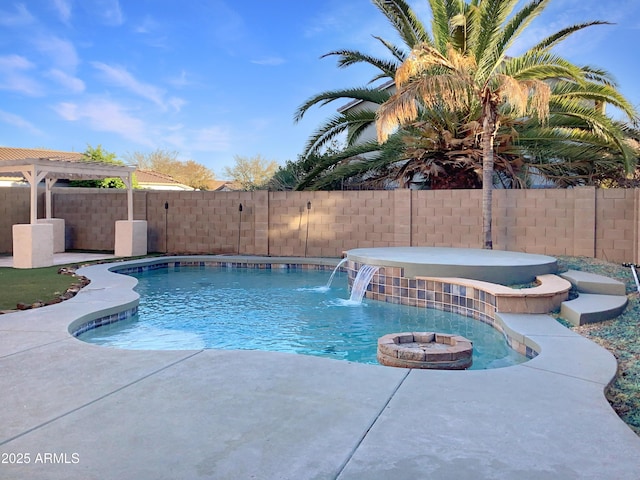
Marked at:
<point>279,310</point>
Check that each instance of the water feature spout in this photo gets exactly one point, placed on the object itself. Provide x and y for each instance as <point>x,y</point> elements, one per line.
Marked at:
<point>361,282</point>
<point>342,262</point>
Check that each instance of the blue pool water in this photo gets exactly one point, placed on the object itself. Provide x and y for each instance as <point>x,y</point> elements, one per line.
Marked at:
<point>279,310</point>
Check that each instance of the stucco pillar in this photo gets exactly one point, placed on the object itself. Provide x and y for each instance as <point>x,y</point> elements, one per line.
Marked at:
<point>32,245</point>
<point>131,238</point>
<point>58,233</point>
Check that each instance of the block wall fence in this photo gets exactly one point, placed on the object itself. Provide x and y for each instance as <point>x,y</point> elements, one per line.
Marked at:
<point>600,223</point>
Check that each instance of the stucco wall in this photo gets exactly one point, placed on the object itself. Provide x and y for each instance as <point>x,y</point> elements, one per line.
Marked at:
<point>581,221</point>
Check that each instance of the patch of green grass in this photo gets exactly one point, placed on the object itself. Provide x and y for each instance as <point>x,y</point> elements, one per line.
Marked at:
<point>32,285</point>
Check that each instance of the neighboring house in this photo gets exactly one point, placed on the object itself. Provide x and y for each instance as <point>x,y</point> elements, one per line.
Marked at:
<point>11,181</point>
<point>360,105</point>
<point>150,180</point>
<point>221,186</point>
<point>10,153</point>
<point>370,133</point>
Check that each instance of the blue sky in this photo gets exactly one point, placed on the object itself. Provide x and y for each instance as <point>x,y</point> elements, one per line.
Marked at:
<point>211,79</point>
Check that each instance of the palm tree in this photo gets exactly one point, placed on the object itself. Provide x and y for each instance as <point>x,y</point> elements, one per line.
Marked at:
<point>465,68</point>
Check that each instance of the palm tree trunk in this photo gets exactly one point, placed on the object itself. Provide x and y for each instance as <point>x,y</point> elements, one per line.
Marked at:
<point>489,126</point>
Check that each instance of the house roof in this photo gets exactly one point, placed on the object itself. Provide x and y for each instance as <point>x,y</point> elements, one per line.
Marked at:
<point>11,153</point>
<point>57,164</point>
<point>219,185</point>
<point>149,177</point>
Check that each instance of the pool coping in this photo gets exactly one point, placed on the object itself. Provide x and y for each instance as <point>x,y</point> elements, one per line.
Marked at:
<point>546,416</point>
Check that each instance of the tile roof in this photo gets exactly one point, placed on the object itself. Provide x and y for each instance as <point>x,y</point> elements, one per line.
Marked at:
<point>149,176</point>
<point>220,185</point>
<point>10,153</point>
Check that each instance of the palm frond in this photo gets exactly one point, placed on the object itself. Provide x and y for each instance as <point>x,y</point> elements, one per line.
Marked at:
<point>365,94</point>
<point>328,162</point>
<point>354,123</point>
<point>399,53</point>
<point>355,162</point>
<point>598,75</point>
<point>404,21</point>
<point>541,65</point>
<point>557,37</point>
<point>595,93</point>
<point>440,26</point>
<point>352,57</point>
<point>492,15</point>
<point>520,20</point>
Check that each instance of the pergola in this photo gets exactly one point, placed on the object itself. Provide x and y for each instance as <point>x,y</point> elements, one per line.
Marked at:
<point>33,243</point>
<point>52,169</point>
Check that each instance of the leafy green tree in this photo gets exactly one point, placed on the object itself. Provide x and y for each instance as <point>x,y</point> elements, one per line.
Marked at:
<point>98,154</point>
<point>251,173</point>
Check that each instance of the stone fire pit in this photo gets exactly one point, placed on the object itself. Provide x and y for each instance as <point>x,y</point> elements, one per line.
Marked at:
<point>425,350</point>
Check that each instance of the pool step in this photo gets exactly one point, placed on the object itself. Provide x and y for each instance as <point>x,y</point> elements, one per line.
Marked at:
<point>591,308</point>
<point>592,283</point>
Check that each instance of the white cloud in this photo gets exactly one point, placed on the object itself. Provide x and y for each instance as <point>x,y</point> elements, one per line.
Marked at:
<point>19,18</point>
<point>337,18</point>
<point>17,121</point>
<point>68,111</point>
<point>120,77</point>
<point>177,103</point>
<point>227,27</point>
<point>269,61</point>
<point>213,138</point>
<point>181,80</point>
<point>14,76</point>
<point>153,33</point>
<point>260,124</point>
<point>148,25</point>
<point>15,62</point>
<point>70,82</point>
<point>110,12</point>
<point>63,8</point>
<point>106,116</point>
<point>62,53</point>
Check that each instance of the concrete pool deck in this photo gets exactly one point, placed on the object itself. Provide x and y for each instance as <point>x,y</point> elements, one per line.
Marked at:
<point>82,411</point>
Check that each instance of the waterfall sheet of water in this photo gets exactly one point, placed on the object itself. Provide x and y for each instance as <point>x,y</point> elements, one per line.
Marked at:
<point>333,274</point>
<point>361,282</point>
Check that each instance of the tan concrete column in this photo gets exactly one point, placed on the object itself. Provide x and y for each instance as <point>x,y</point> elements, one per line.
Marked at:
<point>58,233</point>
<point>32,245</point>
<point>131,238</point>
